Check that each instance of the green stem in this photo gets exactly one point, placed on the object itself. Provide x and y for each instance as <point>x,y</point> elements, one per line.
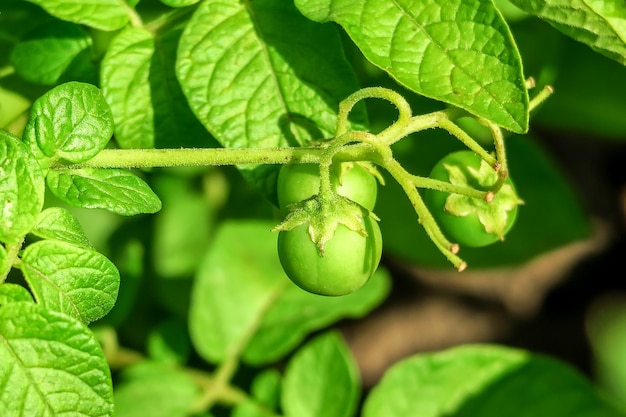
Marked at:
<point>390,134</point>
<point>133,16</point>
<point>433,184</point>
<point>540,97</point>
<point>153,158</point>
<point>447,248</point>
<point>447,124</point>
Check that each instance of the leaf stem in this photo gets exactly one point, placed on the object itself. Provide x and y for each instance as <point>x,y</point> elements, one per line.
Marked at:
<point>133,16</point>
<point>540,97</point>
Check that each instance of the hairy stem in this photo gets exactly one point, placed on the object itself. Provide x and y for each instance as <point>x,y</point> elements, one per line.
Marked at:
<point>153,158</point>
<point>447,248</point>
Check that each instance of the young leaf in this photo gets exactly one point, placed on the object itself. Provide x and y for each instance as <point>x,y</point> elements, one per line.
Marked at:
<point>258,74</point>
<point>21,189</point>
<point>79,282</point>
<point>148,105</point>
<point>460,52</point>
<point>51,50</point>
<point>598,24</point>
<point>59,224</point>
<point>286,323</point>
<point>13,293</point>
<point>486,381</point>
<point>50,365</point>
<point>155,390</point>
<point>116,190</point>
<point>71,121</point>
<point>332,390</point>
<point>99,14</point>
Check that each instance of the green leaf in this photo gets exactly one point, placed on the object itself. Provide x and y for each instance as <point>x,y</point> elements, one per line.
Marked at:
<point>50,51</point>
<point>230,295</point>
<point>57,223</point>
<point>484,381</point>
<point>460,52</point>
<point>148,105</point>
<point>99,14</point>
<point>50,365</point>
<point>155,390</point>
<point>71,121</point>
<point>21,189</point>
<point>79,282</point>
<point>258,74</point>
<point>598,24</point>
<point>252,307</point>
<point>332,390</point>
<point>287,323</point>
<point>116,190</point>
<point>13,293</point>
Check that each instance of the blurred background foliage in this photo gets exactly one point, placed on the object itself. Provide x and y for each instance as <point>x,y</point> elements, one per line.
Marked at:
<point>556,285</point>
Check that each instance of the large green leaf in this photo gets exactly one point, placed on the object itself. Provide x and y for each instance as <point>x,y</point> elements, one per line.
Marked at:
<point>116,190</point>
<point>148,105</point>
<point>99,14</point>
<point>79,282</point>
<point>600,24</point>
<point>321,379</point>
<point>242,302</point>
<point>53,50</point>
<point>460,52</point>
<point>21,189</point>
<point>50,365</point>
<point>484,381</point>
<point>258,74</point>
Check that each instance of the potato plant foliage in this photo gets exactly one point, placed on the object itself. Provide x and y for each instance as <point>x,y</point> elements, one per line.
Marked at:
<point>140,149</point>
